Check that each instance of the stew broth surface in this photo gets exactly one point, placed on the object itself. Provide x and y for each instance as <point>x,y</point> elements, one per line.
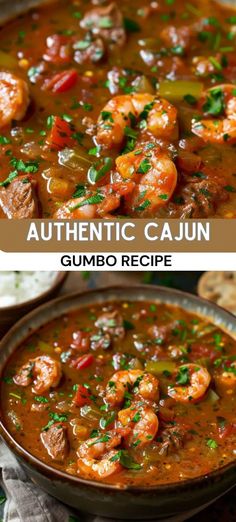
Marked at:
<point>69,148</point>
<point>128,393</point>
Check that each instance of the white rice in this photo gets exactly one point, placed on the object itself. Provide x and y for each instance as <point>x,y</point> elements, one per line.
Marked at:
<point>18,287</point>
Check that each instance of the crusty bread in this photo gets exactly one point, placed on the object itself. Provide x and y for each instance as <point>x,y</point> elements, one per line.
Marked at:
<point>219,287</point>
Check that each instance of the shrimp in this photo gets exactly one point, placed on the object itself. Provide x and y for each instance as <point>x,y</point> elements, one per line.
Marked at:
<point>218,101</point>
<point>143,423</point>
<point>14,98</point>
<point>226,381</point>
<point>97,457</point>
<point>159,117</point>
<point>95,448</point>
<point>143,385</point>
<point>95,204</point>
<point>198,380</point>
<point>43,371</point>
<point>155,177</point>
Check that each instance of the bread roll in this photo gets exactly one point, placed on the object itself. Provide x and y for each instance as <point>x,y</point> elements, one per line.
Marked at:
<point>219,287</point>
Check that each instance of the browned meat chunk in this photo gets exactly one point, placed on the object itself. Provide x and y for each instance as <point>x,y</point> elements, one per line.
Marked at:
<point>106,22</point>
<point>56,442</point>
<point>202,198</point>
<point>172,439</point>
<point>18,200</point>
<point>111,323</point>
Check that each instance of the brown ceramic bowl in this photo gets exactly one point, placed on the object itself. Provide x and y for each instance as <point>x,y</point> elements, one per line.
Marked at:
<point>172,502</point>
<point>10,314</point>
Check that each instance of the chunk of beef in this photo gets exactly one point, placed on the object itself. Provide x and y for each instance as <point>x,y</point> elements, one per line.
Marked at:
<point>18,200</point>
<point>56,442</point>
<point>106,22</point>
<point>172,440</point>
<point>201,199</point>
<point>111,323</point>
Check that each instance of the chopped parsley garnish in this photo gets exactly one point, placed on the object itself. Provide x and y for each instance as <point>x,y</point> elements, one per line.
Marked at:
<point>183,376</point>
<point>211,443</point>
<point>125,460</point>
<point>131,26</point>
<point>106,421</point>
<point>214,104</point>
<point>229,188</point>
<point>41,399</point>
<point>190,99</point>
<point>128,325</point>
<point>92,200</point>
<point>55,417</point>
<point>95,173</point>
<point>9,179</point>
<point>80,191</point>
<point>143,206</point>
<point>4,140</point>
<point>144,166</point>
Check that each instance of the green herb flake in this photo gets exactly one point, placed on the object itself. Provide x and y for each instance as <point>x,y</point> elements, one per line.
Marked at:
<point>131,26</point>
<point>92,200</point>
<point>211,443</point>
<point>183,377</point>
<point>125,460</point>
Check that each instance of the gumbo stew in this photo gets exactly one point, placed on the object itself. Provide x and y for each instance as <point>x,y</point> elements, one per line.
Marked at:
<point>128,394</point>
<point>113,109</point>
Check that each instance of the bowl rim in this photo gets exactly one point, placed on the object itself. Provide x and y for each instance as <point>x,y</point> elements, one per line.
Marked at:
<point>59,279</point>
<point>57,474</point>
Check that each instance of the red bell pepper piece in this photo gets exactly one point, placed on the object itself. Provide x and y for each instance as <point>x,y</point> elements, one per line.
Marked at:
<point>83,362</point>
<point>60,135</point>
<point>62,82</point>
<point>82,396</point>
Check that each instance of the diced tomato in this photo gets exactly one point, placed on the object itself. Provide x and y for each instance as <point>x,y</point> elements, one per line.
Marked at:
<point>199,350</point>
<point>82,396</point>
<point>60,135</point>
<point>83,362</point>
<point>62,81</point>
<point>58,50</point>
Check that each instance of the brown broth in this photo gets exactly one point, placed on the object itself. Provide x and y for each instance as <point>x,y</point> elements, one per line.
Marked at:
<point>206,188</point>
<point>194,437</point>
